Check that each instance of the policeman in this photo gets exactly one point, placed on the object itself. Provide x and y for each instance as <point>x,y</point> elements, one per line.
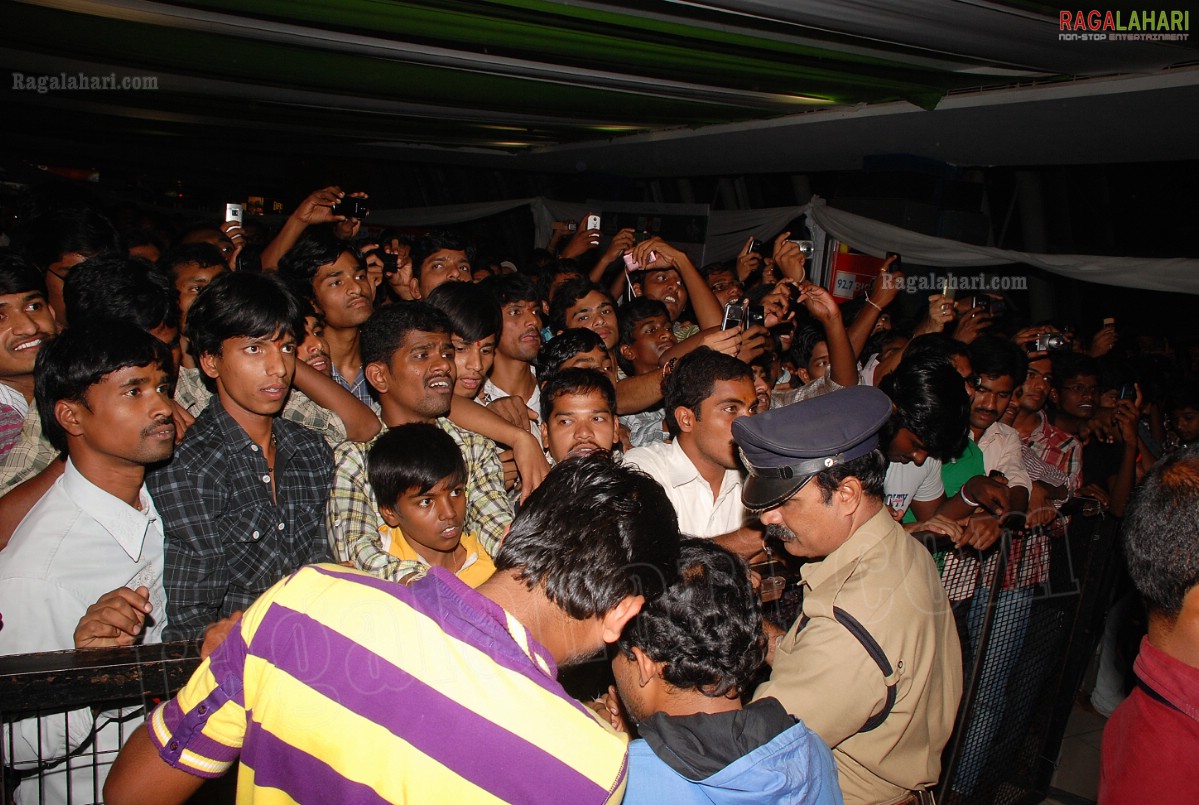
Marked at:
<point>873,664</point>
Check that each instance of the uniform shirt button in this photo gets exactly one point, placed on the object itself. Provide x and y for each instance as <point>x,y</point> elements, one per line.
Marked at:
<point>266,479</point>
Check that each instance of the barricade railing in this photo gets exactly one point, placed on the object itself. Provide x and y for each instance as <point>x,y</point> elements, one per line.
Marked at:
<point>65,714</point>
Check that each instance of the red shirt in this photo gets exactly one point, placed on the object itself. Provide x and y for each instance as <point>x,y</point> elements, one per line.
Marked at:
<point>1150,748</point>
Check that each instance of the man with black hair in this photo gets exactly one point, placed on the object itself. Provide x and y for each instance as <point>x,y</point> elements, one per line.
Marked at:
<point>475,319</point>
<point>332,276</point>
<point>120,288</point>
<point>574,348</point>
<point>85,567</point>
<point>438,257</point>
<point>242,499</point>
<point>582,303</point>
<point>409,360</point>
<point>57,241</point>
<point>705,393</point>
<point>593,543</point>
<point>1152,739</point>
<point>190,268</point>
<point>578,414</point>
<point>512,372</point>
<point>682,666</point>
<point>27,323</point>
<point>873,665</point>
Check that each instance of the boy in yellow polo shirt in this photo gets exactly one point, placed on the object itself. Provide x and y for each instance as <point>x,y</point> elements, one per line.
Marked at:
<point>418,469</point>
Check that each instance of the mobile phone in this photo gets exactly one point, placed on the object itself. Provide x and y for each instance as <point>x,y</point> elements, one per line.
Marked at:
<point>948,289</point>
<point>982,303</point>
<point>593,222</point>
<point>757,246</point>
<point>1128,391</point>
<point>734,315</point>
<point>755,315</point>
<point>898,264</point>
<point>233,212</point>
<point>1048,342</point>
<point>391,262</point>
<point>1109,322</point>
<point>351,207</point>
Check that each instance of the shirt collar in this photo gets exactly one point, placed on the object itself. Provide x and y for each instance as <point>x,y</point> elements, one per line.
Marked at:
<point>845,558</point>
<point>235,435</point>
<point>125,524</point>
<point>681,470</point>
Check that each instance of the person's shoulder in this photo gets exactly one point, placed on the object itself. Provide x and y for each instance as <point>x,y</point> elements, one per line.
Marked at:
<point>303,436</point>
<point>653,453</point>
<point>42,534</point>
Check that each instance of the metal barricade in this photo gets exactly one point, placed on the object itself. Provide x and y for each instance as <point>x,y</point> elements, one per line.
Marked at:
<point>65,714</point>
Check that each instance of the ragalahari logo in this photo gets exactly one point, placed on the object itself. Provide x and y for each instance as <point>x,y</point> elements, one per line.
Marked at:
<point>1147,25</point>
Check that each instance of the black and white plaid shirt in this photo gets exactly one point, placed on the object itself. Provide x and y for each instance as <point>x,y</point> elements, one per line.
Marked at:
<point>227,541</point>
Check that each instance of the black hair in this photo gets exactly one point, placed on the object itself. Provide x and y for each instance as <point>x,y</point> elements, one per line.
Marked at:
<point>939,343</point>
<point>417,456</point>
<point>243,304</point>
<point>564,346</point>
<point>84,231</point>
<point>381,335</point>
<point>1114,373</point>
<point>706,628</point>
<point>80,358</point>
<point>576,380</point>
<point>719,268</point>
<point>1069,365</point>
<point>115,287</point>
<point>593,533</point>
<point>509,288</point>
<point>555,269</point>
<point>931,401</point>
<point>804,344</point>
<point>1161,532</point>
<point>993,356</point>
<point>18,275</point>
<point>204,255</point>
<point>633,312</point>
<point>870,470</point>
<point>472,311</point>
<point>317,247</point>
<point>568,295</point>
<point>694,378</point>
<point>435,241</point>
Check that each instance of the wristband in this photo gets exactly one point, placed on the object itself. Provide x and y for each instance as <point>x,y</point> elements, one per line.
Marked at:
<point>966,498</point>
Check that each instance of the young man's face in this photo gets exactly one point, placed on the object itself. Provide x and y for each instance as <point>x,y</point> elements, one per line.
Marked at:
<point>472,361</point>
<point>190,279</point>
<point>56,276</point>
<point>762,387</point>
<point>1077,396</point>
<point>314,350</point>
<point>343,292</point>
<point>217,238</point>
<point>579,425</point>
<point>26,323</point>
<point>1186,423</point>
<point>725,287</point>
<point>906,448</point>
<point>126,419</point>
<point>520,338</point>
<point>712,426</point>
<point>1037,385</point>
<point>991,398</point>
<point>651,338</point>
<point>420,376</point>
<point>665,285</point>
<point>597,358</point>
<point>253,375</point>
<point>432,520</point>
<point>442,266</point>
<point>596,313</point>
<point>817,365</point>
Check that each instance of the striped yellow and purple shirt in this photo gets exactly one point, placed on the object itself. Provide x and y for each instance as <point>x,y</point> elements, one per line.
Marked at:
<point>341,687</point>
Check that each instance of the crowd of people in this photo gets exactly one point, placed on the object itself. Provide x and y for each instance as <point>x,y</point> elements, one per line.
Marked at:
<point>392,488</point>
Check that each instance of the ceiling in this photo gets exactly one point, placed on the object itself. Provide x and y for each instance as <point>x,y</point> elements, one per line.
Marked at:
<point>629,87</point>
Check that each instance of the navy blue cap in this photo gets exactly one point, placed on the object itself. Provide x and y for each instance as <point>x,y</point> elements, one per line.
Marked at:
<point>784,447</point>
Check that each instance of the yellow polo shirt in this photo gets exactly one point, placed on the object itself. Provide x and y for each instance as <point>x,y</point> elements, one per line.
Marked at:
<point>477,568</point>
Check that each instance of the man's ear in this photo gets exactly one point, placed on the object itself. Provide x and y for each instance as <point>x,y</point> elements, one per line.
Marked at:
<point>1053,396</point>
<point>849,493</point>
<point>614,620</point>
<point>626,352</point>
<point>209,366</point>
<point>636,286</point>
<point>647,669</point>
<point>803,375</point>
<point>545,434</point>
<point>414,288</point>
<point>685,417</point>
<point>67,414</point>
<point>378,376</point>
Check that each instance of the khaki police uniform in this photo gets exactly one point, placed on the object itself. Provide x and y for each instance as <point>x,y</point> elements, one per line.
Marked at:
<point>823,674</point>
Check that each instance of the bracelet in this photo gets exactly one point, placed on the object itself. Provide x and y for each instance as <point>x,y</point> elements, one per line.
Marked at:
<point>966,498</point>
<point>872,304</point>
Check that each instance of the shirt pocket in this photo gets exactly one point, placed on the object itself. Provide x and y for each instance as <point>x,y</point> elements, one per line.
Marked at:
<point>252,554</point>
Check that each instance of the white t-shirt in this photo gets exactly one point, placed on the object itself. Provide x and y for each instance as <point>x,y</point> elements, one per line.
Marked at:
<point>907,482</point>
<point>700,515</point>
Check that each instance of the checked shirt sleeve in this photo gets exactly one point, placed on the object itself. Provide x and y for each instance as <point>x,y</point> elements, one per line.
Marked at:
<point>488,508</point>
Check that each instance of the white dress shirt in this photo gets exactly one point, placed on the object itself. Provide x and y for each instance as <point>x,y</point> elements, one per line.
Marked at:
<point>700,515</point>
<point>1004,451</point>
<point>76,544</point>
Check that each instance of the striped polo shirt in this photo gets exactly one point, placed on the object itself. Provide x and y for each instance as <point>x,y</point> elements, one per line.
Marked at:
<point>341,687</point>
